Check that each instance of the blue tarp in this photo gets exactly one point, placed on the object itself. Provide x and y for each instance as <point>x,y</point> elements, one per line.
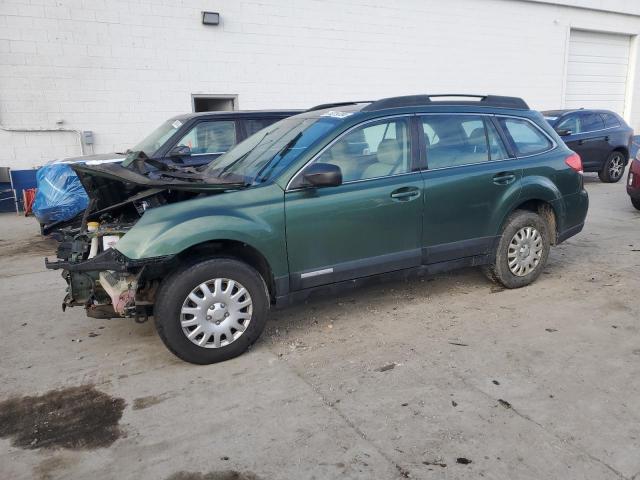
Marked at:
<point>60,194</point>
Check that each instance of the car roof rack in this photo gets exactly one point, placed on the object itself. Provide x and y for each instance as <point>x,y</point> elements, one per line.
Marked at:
<point>322,106</point>
<point>419,100</point>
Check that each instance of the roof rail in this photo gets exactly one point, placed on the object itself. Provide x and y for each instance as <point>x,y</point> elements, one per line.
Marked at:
<point>418,100</point>
<point>322,106</point>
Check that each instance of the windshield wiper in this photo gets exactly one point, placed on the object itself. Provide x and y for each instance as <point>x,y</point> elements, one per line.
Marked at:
<point>270,166</point>
<point>242,157</point>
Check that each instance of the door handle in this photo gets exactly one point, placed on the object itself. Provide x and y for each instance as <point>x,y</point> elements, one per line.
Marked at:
<point>504,178</point>
<point>405,194</point>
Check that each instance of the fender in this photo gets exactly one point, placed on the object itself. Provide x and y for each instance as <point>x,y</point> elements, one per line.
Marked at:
<point>535,187</point>
<point>254,216</point>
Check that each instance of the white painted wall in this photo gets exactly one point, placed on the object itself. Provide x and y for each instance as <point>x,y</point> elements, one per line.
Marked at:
<point>120,67</point>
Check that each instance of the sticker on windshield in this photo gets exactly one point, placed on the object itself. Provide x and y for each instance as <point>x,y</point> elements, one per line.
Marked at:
<point>335,114</point>
<point>176,124</point>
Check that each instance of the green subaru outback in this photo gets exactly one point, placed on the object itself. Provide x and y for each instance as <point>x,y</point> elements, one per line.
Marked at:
<point>341,194</point>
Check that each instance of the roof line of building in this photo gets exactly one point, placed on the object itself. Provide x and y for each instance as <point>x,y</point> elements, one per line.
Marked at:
<point>620,7</point>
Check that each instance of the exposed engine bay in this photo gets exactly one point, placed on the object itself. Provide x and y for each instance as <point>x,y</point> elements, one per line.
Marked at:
<point>98,276</point>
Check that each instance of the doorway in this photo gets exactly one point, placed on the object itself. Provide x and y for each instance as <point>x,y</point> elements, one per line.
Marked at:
<point>214,103</point>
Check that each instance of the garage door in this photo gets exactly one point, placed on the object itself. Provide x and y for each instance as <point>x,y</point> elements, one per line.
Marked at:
<point>597,70</point>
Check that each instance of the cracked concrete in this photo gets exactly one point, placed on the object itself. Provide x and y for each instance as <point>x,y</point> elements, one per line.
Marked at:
<point>311,400</point>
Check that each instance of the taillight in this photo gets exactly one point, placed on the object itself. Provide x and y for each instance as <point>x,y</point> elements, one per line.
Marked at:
<point>574,161</point>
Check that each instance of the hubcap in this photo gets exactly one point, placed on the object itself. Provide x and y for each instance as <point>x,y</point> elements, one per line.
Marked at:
<point>216,313</point>
<point>616,167</point>
<point>525,251</point>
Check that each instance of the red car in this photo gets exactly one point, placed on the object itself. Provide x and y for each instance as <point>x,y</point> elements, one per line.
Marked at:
<point>633,182</point>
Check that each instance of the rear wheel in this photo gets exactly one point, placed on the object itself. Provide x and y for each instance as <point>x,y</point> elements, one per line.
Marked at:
<point>211,311</point>
<point>522,250</point>
<point>636,203</point>
<point>613,168</point>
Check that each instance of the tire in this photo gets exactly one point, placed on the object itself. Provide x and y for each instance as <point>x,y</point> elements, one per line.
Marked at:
<point>613,169</point>
<point>216,311</point>
<point>520,222</point>
<point>636,203</point>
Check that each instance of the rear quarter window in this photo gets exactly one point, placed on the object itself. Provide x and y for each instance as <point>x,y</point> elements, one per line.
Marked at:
<point>526,137</point>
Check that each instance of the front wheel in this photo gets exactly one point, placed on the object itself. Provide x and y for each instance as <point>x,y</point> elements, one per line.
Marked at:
<point>211,311</point>
<point>613,168</point>
<point>522,250</point>
<point>636,203</point>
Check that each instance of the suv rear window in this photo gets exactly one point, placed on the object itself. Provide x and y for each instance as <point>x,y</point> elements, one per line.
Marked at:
<point>527,138</point>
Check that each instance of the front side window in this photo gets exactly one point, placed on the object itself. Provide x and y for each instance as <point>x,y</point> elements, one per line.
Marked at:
<point>590,122</point>
<point>570,123</point>
<point>373,150</point>
<point>210,137</point>
<point>453,140</point>
<point>527,138</point>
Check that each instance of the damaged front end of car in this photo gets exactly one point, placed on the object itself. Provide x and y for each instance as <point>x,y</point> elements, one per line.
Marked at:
<point>99,277</point>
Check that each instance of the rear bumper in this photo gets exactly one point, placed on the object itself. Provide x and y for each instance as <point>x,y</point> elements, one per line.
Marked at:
<point>633,192</point>
<point>569,232</point>
<point>576,207</point>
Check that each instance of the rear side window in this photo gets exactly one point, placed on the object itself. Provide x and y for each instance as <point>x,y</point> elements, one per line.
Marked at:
<point>254,125</point>
<point>590,122</point>
<point>453,140</point>
<point>527,138</point>
<point>610,120</point>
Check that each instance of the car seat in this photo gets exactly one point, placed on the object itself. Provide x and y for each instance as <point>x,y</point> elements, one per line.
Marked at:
<point>389,156</point>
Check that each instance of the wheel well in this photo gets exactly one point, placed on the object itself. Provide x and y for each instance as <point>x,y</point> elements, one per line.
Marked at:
<point>234,249</point>
<point>545,210</point>
<point>624,151</point>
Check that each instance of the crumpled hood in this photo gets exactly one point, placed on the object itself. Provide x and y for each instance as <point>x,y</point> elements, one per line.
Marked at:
<point>110,184</point>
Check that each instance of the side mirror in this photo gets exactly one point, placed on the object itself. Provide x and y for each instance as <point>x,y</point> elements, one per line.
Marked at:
<point>563,132</point>
<point>322,175</point>
<point>180,151</point>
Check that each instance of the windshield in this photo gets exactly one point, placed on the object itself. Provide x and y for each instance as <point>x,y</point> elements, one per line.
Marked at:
<point>154,140</point>
<point>268,152</point>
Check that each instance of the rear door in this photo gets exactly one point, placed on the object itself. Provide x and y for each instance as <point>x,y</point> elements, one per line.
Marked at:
<point>469,174</point>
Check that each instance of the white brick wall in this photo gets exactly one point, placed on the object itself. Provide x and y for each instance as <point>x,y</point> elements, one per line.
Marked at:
<point>120,67</point>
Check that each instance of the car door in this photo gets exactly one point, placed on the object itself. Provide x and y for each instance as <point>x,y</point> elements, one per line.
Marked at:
<point>469,175</point>
<point>588,139</point>
<point>372,222</point>
<point>205,141</point>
